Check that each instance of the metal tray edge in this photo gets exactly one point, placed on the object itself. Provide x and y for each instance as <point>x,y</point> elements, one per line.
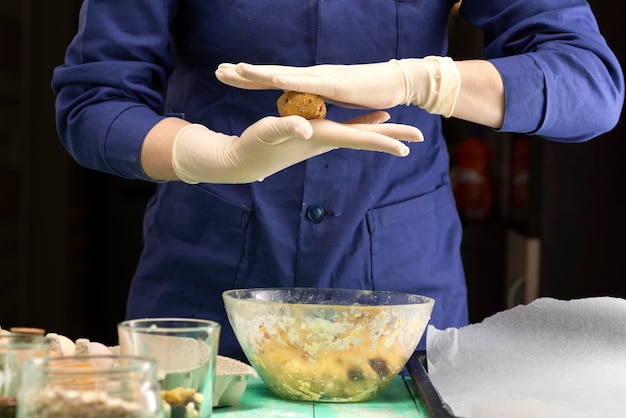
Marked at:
<point>432,401</point>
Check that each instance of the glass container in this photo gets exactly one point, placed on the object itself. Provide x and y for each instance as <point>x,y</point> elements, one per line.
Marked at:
<point>327,345</point>
<point>185,350</point>
<point>15,349</point>
<point>100,386</point>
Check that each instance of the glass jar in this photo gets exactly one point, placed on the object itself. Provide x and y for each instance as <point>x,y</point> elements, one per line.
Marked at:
<point>90,386</point>
<point>15,349</point>
<point>185,350</point>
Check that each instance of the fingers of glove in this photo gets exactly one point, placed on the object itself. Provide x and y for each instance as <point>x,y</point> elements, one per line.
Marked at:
<point>323,80</point>
<point>376,117</point>
<point>227,74</point>
<point>375,86</point>
<point>261,77</point>
<point>379,117</point>
<point>344,104</point>
<point>265,74</point>
<point>363,136</point>
<point>393,130</point>
<point>273,130</point>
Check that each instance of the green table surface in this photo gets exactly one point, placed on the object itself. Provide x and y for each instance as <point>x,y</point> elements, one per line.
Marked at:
<point>398,400</point>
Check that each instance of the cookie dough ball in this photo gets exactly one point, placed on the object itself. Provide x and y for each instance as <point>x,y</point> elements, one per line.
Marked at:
<point>309,106</point>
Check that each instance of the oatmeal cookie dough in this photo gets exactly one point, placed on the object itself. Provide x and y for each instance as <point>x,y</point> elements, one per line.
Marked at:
<point>348,357</point>
<point>307,105</point>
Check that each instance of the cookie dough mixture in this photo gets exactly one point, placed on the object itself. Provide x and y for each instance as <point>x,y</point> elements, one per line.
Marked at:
<point>339,356</point>
<point>309,106</point>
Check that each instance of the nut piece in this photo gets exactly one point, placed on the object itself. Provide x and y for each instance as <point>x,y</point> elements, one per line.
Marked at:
<point>177,395</point>
<point>307,105</point>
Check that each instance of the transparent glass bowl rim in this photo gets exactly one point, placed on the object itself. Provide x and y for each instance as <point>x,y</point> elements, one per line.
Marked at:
<point>23,341</point>
<point>253,295</point>
<point>154,325</point>
<point>122,364</point>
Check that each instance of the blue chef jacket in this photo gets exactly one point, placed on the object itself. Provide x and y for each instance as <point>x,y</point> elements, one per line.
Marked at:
<point>348,219</point>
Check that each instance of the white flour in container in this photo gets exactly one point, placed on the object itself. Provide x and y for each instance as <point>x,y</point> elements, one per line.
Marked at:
<point>181,362</point>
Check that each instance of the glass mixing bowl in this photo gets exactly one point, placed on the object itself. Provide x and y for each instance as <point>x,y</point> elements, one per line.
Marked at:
<point>327,345</point>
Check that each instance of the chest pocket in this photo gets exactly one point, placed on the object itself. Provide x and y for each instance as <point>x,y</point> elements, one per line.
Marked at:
<point>415,244</point>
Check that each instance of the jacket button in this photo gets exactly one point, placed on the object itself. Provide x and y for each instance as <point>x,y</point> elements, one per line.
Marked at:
<point>315,213</point>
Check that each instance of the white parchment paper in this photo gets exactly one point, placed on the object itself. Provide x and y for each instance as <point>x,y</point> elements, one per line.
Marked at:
<point>550,358</point>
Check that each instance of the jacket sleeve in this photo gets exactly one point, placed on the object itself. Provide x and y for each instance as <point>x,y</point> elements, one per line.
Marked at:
<point>561,79</point>
<point>110,89</point>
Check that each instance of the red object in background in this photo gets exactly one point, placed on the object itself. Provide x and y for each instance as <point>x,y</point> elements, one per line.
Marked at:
<point>473,185</point>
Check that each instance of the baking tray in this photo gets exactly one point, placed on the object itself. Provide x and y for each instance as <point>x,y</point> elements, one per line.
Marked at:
<point>431,400</point>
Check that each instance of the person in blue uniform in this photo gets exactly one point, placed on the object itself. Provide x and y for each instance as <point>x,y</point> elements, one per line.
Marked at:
<point>183,93</point>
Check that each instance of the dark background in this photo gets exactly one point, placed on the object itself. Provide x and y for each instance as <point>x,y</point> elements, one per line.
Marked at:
<point>70,237</point>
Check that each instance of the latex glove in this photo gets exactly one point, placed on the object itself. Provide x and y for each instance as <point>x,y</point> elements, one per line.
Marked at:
<point>432,83</point>
<point>200,155</point>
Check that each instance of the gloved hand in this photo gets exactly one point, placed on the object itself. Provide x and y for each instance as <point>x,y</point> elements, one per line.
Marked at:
<point>432,83</point>
<point>200,155</point>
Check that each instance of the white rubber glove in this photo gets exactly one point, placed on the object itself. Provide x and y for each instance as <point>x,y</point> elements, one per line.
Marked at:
<point>200,155</point>
<point>432,83</point>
